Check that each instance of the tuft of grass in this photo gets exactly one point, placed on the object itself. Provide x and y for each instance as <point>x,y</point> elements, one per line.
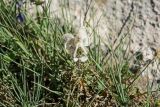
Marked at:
<point>35,70</point>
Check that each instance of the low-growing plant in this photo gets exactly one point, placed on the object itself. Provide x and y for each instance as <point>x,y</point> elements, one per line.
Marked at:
<point>36,70</point>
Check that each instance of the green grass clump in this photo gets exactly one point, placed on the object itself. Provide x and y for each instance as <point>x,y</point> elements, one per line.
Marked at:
<point>36,71</point>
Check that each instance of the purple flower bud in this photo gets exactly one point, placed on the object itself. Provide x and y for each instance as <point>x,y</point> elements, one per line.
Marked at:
<point>20,18</point>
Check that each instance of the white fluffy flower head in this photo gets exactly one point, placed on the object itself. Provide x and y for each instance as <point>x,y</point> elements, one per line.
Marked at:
<point>73,43</point>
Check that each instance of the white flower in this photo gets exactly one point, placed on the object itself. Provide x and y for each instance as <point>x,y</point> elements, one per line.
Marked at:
<point>80,41</point>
